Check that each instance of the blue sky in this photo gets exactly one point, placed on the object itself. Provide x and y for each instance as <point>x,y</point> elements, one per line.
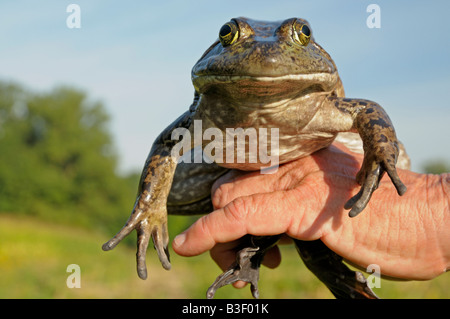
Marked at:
<point>136,57</point>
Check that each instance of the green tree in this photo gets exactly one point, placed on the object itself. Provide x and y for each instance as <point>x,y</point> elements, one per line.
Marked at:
<point>436,167</point>
<point>58,159</point>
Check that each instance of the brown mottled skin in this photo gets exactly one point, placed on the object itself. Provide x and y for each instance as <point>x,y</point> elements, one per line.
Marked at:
<point>271,75</point>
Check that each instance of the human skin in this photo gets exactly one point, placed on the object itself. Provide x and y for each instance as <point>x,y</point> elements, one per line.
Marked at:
<point>407,236</point>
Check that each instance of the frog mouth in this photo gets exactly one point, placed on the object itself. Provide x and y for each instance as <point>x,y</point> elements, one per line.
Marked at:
<point>283,85</point>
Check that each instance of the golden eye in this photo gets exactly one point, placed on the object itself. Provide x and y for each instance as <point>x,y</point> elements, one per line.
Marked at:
<point>228,33</point>
<point>302,33</point>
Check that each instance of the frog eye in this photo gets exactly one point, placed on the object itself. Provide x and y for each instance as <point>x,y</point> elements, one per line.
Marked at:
<point>228,33</point>
<point>302,33</point>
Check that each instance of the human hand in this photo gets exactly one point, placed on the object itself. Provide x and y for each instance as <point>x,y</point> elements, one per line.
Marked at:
<point>406,236</point>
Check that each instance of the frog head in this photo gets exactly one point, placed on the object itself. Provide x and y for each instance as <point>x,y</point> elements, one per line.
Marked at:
<point>269,60</point>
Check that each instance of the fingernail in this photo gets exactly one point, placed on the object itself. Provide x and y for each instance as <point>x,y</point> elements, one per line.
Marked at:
<point>179,240</point>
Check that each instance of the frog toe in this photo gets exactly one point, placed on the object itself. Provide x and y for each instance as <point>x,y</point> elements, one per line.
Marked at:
<point>399,186</point>
<point>149,222</point>
<point>374,166</point>
<point>357,203</point>
<point>142,243</point>
<point>245,268</point>
<point>160,239</point>
<point>124,232</point>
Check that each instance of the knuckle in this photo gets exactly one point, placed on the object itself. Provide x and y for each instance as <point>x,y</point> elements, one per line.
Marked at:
<point>204,225</point>
<point>221,196</point>
<point>288,179</point>
<point>237,210</point>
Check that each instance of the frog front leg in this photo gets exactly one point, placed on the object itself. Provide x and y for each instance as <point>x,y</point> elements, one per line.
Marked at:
<point>149,215</point>
<point>381,147</point>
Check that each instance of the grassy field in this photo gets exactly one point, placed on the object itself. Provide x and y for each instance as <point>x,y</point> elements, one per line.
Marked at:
<point>34,256</point>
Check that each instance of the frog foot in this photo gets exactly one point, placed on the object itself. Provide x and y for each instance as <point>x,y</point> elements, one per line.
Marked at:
<point>377,162</point>
<point>245,268</point>
<point>148,222</point>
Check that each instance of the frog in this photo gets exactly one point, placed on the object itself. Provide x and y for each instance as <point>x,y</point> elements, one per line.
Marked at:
<point>273,75</point>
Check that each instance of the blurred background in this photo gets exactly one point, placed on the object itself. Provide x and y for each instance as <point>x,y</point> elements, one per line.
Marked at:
<point>80,108</point>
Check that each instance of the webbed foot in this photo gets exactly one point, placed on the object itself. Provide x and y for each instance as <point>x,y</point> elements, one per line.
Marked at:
<point>149,216</point>
<point>147,224</point>
<point>245,268</point>
<point>379,158</point>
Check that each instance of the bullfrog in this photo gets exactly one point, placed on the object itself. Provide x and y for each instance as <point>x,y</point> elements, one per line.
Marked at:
<point>260,75</point>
